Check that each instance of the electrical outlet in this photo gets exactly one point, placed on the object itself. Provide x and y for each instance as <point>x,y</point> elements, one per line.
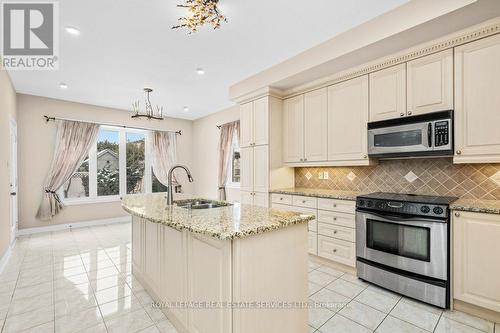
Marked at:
<point>320,175</point>
<point>326,175</point>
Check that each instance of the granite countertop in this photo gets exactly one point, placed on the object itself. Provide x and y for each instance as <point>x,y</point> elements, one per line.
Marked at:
<point>319,193</point>
<point>223,223</point>
<point>477,205</point>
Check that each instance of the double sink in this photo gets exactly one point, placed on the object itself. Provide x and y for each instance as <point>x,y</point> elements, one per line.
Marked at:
<point>201,204</point>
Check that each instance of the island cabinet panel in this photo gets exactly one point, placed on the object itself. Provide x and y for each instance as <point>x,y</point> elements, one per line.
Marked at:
<point>174,270</point>
<point>315,125</point>
<point>476,264</point>
<point>209,267</point>
<point>138,225</point>
<point>347,121</point>
<point>152,253</point>
<point>477,101</point>
<point>430,83</point>
<point>388,93</point>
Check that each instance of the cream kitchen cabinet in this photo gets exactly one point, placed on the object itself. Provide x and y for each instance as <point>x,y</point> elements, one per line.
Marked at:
<point>254,123</point>
<point>430,83</point>
<point>477,101</point>
<point>293,129</point>
<point>347,121</point>
<point>254,174</point>
<point>388,93</point>
<point>476,268</point>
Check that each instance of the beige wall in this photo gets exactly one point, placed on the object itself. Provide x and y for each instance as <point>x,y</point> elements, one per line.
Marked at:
<point>206,153</point>
<point>7,112</point>
<point>36,146</point>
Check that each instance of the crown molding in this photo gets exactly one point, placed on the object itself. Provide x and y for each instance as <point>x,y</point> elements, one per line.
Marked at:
<point>259,93</point>
<point>485,29</point>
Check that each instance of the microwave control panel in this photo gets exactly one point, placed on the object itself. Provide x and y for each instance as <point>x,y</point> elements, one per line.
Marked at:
<point>441,133</point>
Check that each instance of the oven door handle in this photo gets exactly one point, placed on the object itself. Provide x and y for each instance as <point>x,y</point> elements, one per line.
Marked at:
<point>422,221</point>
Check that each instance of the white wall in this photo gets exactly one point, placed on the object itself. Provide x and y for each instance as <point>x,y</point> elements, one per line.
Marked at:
<point>206,153</point>
<point>36,147</point>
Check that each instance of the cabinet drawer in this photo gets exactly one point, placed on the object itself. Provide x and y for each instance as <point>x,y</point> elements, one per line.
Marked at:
<point>343,206</point>
<point>313,226</point>
<point>342,219</point>
<point>313,242</point>
<point>337,250</point>
<point>281,206</point>
<point>302,201</point>
<point>285,199</point>
<point>337,231</point>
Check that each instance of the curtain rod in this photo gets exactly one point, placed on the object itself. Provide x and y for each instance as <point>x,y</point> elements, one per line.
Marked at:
<point>47,119</point>
<point>220,126</point>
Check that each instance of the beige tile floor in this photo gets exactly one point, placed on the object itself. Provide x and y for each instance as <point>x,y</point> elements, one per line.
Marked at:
<point>80,281</point>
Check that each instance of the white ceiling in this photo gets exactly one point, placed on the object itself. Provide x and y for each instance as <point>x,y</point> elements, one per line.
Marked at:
<point>128,44</point>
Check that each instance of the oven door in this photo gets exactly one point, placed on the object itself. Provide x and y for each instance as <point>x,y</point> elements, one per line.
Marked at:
<point>401,139</point>
<point>415,244</point>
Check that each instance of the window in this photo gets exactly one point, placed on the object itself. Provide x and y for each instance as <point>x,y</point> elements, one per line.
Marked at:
<point>118,164</point>
<point>235,163</point>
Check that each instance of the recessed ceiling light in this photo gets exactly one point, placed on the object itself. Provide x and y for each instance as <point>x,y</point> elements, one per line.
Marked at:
<point>63,86</point>
<point>200,71</point>
<point>72,31</point>
<point>186,109</point>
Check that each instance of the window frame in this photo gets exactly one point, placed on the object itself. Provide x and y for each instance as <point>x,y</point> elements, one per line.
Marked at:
<point>230,184</point>
<point>122,162</point>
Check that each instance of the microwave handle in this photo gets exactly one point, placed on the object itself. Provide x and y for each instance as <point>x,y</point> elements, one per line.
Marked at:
<point>429,134</point>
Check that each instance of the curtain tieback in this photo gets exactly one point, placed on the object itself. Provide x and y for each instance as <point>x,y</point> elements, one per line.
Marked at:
<point>222,187</point>
<point>54,193</point>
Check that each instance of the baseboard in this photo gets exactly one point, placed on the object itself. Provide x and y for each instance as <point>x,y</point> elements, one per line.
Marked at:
<point>68,226</point>
<point>333,264</point>
<point>6,256</point>
<point>476,311</point>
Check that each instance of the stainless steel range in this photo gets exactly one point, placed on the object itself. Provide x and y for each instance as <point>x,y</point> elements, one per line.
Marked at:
<point>403,244</point>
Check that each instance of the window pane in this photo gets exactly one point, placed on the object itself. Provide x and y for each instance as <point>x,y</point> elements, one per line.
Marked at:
<point>108,166</point>
<point>156,185</point>
<point>135,163</point>
<point>78,185</point>
<point>236,166</point>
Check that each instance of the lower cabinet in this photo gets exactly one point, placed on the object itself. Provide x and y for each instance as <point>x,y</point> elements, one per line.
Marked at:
<point>476,263</point>
<point>255,198</point>
<point>337,250</point>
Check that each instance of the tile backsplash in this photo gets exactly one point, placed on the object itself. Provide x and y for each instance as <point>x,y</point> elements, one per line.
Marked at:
<point>437,176</point>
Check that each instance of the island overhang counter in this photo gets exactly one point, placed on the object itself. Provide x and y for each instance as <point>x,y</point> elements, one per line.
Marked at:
<point>236,268</point>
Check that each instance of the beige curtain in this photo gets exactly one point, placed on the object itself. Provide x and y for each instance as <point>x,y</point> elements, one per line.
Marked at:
<point>73,142</point>
<point>163,154</point>
<point>228,133</point>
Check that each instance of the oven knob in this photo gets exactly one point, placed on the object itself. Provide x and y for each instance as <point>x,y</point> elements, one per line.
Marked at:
<point>425,209</point>
<point>369,203</point>
<point>361,202</point>
<point>438,210</point>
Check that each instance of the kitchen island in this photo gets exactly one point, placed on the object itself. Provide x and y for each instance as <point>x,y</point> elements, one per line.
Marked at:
<point>234,268</point>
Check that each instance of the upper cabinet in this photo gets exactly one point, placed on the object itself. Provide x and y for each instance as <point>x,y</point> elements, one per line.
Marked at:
<point>477,101</point>
<point>388,93</point>
<point>347,120</point>
<point>315,125</point>
<point>254,122</point>
<point>293,129</point>
<point>430,83</point>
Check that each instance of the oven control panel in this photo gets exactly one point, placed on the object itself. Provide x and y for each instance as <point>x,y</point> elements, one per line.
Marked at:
<point>402,207</point>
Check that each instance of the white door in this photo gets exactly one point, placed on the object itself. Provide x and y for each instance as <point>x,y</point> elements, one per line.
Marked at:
<point>315,125</point>
<point>261,121</point>
<point>260,169</point>
<point>293,131</point>
<point>246,125</point>
<point>388,93</point>
<point>13,181</point>
<point>246,169</point>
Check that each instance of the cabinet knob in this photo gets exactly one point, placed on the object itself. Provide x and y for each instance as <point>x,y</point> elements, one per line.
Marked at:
<point>335,219</point>
<point>281,199</point>
<point>334,231</point>
<point>365,156</point>
<point>305,159</point>
<point>401,114</point>
<point>334,250</point>
<point>459,152</point>
<point>409,113</point>
<point>303,201</point>
<point>457,214</point>
<point>334,205</point>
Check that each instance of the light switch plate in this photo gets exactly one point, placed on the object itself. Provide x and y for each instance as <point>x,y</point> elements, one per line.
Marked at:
<point>326,175</point>
<point>320,175</point>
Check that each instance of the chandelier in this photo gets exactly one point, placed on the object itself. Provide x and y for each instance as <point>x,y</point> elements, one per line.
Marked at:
<point>200,12</point>
<point>148,112</point>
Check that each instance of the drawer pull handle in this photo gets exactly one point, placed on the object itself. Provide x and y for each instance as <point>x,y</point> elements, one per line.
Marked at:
<point>303,201</point>
<point>334,231</point>
<point>334,250</point>
<point>334,205</point>
<point>281,198</point>
<point>335,219</point>
<point>457,214</point>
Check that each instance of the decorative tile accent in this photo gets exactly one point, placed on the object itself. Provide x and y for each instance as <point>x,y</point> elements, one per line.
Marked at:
<point>437,176</point>
<point>411,177</point>
<point>308,175</point>
<point>351,176</point>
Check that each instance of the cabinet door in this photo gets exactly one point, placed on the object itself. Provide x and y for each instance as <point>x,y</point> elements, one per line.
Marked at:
<point>137,242</point>
<point>476,249</point>
<point>209,281</point>
<point>261,199</point>
<point>246,197</point>
<point>246,124</point>
<point>174,270</point>
<point>293,131</point>
<point>388,93</point>
<point>261,121</point>
<point>246,169</point>
<point>347,120</point>
<point>430,83</point>
<point>261,168</point>
<point>477,101</point>
<point>315,125</point>
<point>151,255</point>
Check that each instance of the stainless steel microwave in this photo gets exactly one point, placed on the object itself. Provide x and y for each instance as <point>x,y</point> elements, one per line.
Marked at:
<point>422,135</point>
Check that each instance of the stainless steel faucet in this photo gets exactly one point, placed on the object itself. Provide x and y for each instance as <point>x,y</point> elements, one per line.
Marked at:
<point>170,190</point>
